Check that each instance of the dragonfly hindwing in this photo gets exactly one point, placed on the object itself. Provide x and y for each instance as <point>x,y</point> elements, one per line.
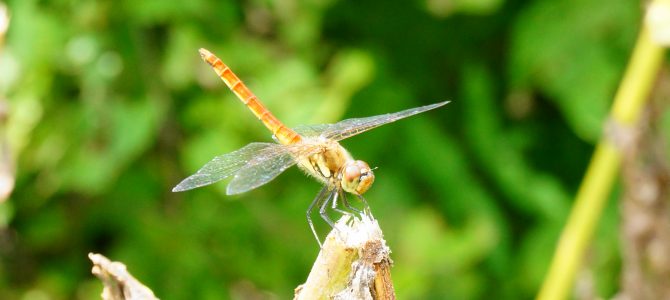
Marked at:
<point>223,166</point>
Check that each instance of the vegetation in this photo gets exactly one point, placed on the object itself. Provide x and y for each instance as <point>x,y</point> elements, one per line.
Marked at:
<point>109,106</point>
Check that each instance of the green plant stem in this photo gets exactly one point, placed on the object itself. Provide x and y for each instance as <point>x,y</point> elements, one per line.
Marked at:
<point>595,188</point>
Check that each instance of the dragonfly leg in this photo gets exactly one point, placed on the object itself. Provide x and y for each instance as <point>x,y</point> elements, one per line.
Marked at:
<point>352,210</point>
<point>348,205</point>
<point>366,207</point>
<point>316,202</point>
<point>322,210</point>
<point>335,208</point>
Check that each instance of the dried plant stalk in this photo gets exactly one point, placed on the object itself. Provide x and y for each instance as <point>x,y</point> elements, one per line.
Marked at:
<point>354,263</point>
<point>600,176</point>
<point>119,284</point>
<point>645,211</point>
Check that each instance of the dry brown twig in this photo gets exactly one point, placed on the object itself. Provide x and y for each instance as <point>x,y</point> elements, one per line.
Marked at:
<point>645,226</point>
<point>119,284</point>
<point>354,263</point>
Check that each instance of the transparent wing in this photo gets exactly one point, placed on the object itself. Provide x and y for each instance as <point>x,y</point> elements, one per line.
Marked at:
<point>263,169</point>
<point>255,175</point>
<point>350,127</point>
<point>228,164</point>
<point>312,130</point>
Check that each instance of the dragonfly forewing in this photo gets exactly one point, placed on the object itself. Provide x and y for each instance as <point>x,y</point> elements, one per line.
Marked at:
<point>314,130</point>
<point>350,127</point>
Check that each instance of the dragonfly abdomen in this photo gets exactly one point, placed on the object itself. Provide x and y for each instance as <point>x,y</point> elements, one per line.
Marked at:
<point>283,134</point>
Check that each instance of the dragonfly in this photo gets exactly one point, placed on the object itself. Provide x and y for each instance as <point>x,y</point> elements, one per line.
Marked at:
<point>314,148</point>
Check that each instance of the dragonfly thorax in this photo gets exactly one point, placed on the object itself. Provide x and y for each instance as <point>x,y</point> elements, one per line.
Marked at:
<point>334,165</point>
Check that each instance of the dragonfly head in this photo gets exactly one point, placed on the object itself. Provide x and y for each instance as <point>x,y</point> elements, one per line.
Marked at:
<point>357,177</point>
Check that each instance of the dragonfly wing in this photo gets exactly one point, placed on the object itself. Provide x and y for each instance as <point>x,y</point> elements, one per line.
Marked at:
<point>312,130</point>
<point>256,175</point>
<point>225,165</point>
<point>350,127</point>
<point>265,168</point>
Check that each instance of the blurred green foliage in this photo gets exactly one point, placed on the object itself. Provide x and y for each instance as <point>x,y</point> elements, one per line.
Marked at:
<point>111,106</point>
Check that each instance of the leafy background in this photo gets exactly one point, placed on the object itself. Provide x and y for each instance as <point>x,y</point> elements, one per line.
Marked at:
<point>110,106</point>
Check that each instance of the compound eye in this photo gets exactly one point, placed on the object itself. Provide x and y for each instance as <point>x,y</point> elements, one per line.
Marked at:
<point>357,177</point>
<point>352,173</point>
<point>365,181</point>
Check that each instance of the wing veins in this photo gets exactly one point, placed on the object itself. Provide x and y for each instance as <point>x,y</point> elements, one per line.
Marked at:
<point>350,127</point>
<point>226,165</point>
